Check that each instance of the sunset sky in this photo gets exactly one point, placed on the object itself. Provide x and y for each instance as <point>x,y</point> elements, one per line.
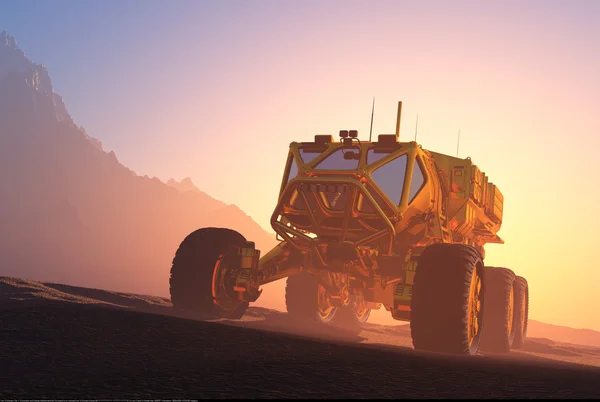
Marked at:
<point>216,90</point>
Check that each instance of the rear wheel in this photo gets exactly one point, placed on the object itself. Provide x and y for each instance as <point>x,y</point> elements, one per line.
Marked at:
<point>499,331</point>
<point>307,299</point>
<point>193,269</point>
<point>521,311</point>
<point>351,317</point>
<point>447,300</point>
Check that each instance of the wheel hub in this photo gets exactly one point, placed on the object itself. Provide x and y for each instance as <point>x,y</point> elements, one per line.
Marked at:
<point>234,277</point>
<point>360,306</point>
<point>324,304</point>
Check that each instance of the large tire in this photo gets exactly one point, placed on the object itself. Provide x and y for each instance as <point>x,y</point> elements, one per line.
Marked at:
<point>499,332</point>
<point>521,312</point>
<point>193,268</point>
<point>302,299</point>
<point>448,299</point>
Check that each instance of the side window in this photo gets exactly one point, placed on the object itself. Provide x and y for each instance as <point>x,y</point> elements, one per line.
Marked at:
<point>293,170</point>
<point>390,178</point>
<point>416,181</point>
<point>373,156</point>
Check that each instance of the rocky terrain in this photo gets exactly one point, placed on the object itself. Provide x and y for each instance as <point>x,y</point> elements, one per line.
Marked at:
<point>67,342</point>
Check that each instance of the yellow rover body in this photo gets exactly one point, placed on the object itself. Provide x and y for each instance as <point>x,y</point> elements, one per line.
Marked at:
<point>368,223</point>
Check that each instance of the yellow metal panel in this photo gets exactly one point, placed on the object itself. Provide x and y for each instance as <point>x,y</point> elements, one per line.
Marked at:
<point>410,277</point>
<point>494,205</point>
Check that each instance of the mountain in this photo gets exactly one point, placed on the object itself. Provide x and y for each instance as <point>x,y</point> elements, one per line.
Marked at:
<point>183,185</point>
<point>70,212</point>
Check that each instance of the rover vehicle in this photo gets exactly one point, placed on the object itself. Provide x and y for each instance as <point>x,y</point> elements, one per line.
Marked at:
<point>363,224</point>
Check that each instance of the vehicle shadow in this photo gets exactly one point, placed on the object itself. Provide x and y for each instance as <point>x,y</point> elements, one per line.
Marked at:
<point>276,321</point>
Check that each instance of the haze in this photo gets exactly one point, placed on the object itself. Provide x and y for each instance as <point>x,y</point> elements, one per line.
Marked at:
<point>216,90</point>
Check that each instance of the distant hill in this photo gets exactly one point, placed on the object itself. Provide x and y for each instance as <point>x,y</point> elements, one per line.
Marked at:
<point>71,212</point>
<point>537,329</point>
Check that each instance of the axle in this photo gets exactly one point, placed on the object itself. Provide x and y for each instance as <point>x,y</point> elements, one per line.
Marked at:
<point>240,273</point>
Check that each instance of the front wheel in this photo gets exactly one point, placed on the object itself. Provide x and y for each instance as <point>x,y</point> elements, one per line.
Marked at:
<point>448,299</point>
<point>193,272</point>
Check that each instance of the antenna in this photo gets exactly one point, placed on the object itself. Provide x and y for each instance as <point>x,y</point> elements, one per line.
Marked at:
<point>398,119</point>
<point>372,112</point>
<point>416,127</point>
<point>458,143</point>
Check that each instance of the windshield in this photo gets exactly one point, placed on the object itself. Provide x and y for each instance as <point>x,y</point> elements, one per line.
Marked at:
<point>389,177</point>
<point>336,160</point>
<point>308,155</point>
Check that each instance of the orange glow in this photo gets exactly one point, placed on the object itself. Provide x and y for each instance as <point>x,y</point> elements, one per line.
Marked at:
<point>520,82</point>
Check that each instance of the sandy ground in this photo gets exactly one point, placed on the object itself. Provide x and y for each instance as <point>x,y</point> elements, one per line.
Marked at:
<point>60,341</point>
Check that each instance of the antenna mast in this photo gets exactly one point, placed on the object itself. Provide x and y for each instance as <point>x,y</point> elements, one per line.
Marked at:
<point>458,143</point>
<point>372,112</point>
<point>416,127</point>
<point>398,119</point>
